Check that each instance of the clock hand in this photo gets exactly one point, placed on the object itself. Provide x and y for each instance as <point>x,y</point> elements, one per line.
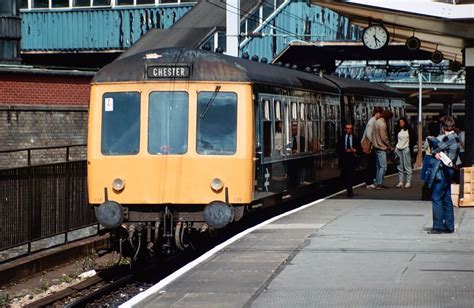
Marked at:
<point>377,41</point>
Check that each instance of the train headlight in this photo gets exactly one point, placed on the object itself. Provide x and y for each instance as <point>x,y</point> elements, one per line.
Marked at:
<point>118,184</point>
<point>217,184</point>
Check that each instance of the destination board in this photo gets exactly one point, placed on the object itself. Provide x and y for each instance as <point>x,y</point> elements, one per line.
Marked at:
<point>168,71</point>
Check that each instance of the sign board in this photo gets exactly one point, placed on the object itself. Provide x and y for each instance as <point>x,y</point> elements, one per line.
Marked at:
<point>168,71</point>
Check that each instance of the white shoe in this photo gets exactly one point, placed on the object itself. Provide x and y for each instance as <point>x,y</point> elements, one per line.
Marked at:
<point>399,185</point>
<point>371,186</point>
<point>407,185</point>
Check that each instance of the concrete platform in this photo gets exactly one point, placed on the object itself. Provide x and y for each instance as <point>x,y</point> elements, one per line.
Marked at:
<point>360,252</point>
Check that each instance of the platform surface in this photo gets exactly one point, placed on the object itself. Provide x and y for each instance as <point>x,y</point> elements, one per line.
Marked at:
<point>359,252</point>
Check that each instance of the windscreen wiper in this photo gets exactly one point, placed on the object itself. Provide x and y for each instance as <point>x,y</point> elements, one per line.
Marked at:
<point>211,100</point>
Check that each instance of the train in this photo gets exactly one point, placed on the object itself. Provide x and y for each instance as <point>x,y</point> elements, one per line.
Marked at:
<point>186,140</point>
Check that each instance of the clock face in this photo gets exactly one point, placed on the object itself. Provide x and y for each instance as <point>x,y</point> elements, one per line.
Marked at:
<point>375,37</point>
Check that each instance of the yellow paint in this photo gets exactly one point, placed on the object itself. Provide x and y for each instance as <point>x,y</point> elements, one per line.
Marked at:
<point>172,179</point>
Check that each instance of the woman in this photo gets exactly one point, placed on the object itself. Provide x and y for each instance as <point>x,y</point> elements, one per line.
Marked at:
<point>403,149</point>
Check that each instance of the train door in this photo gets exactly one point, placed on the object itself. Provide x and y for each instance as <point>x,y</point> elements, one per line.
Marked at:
<point>263,130</point>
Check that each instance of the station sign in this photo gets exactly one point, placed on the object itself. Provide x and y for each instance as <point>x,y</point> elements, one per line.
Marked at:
<point>168,71</point>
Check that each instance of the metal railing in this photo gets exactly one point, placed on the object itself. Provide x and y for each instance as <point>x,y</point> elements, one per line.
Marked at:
<point>41,204</point>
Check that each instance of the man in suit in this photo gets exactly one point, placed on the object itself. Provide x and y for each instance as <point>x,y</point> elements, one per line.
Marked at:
<point>347,150</point>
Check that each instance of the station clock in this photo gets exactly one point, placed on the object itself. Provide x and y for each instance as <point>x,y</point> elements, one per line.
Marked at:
<point>375,37</point>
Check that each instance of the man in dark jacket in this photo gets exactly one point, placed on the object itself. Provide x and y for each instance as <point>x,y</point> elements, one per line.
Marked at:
<point>347,150</point>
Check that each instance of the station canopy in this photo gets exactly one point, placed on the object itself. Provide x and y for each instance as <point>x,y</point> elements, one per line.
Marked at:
<point>446,26</point>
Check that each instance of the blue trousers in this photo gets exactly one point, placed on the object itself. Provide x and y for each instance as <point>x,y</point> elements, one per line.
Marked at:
<point>443,212</point>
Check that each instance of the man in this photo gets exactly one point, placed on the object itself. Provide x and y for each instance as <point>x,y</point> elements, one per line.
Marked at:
<point>368,135</point>
<point>347,148</point>
<point>381,145</point>
<point>443,213</point>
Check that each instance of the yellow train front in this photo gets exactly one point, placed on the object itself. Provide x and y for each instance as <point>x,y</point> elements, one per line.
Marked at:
<point>169,152</point>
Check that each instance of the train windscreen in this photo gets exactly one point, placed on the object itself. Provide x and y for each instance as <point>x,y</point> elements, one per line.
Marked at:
<point>168,123</point>
<point>120,123</point>
<point>217,123</point>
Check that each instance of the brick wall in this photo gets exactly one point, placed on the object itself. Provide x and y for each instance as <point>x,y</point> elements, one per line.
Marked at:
<point>38,110</point>
<point>34,89</point>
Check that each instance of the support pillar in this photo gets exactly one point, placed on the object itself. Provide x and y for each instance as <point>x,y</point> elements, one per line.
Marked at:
<point>232,27</point>
<point>469,107</point>
<point>469,120</point>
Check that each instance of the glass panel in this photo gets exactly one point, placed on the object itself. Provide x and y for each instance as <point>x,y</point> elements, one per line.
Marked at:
<point>302,137</point>
<point>168,1</point>
<point>168,123</point>
<point>267,138</point>
<point>266,109</point>
<point>267,9</point>
<point>59,3</point>
<point>277,110</point>
<point>141,2</point>
<point>120,123</point>
<point>253,21</point>
<point>279,2</point>
<point>217,123</point>
<point>279,138</point>
<point>294,111</point>
<point>294,137</point>
<point>81,3</point>
<point>37,4</point>
<point>124,2</point>
<point>101,2</point>
<point>23,4</point>
<point>221,40</point>
<point>186,1</point>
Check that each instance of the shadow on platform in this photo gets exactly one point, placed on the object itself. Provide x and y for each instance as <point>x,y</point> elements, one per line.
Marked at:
<point>390,193</point>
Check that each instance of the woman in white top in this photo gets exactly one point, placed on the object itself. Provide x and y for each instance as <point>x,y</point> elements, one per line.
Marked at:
<point>403,149</point>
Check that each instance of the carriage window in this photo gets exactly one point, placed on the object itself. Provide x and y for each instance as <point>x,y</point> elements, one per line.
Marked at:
<point>278,110</point>
<point>120,123</point>
<point>267,129</point>
<point>217,123</point>
<point>168,123</point>
<point>294,111</point>
<point>278,145</point>
<point>266,109</point>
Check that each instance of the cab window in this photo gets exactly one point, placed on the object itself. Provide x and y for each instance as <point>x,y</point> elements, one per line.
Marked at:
<point>216,123</point>
<point>120,123</point>
<point>168,123</point>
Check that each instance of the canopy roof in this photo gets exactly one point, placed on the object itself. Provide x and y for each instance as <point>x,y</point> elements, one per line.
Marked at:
<point>442,26</point>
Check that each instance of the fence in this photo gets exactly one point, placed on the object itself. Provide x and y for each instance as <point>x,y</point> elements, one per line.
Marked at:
<point>43,205</point>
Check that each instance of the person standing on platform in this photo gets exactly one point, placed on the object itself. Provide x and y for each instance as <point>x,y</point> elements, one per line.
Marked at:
<point>381,146</point>
<point>347,149</point>
<point>404,149</point>
<point>367,143</point>
<point>443,212</point>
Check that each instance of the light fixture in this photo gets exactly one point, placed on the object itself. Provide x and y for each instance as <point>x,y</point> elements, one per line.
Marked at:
<point>437,57</point>
<point>118,185</point>
<point>217,184</point>
<point>413,43</point>
<point>454,65</point>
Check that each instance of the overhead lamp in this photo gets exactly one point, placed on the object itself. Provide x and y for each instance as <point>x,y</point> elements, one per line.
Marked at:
<point>437,57</point>
<point>454,66</point>
<point>413,43</point>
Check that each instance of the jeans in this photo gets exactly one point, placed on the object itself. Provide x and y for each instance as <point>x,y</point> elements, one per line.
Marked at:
<point>443,213</point>
<point>381,163</point>
<point>404,165</point>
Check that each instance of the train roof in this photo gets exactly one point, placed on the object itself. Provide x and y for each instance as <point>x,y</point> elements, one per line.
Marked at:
<point>209,66</point>
<point>358,87</point>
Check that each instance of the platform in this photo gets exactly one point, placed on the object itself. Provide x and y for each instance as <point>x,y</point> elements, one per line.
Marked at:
<point>362,252</point>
